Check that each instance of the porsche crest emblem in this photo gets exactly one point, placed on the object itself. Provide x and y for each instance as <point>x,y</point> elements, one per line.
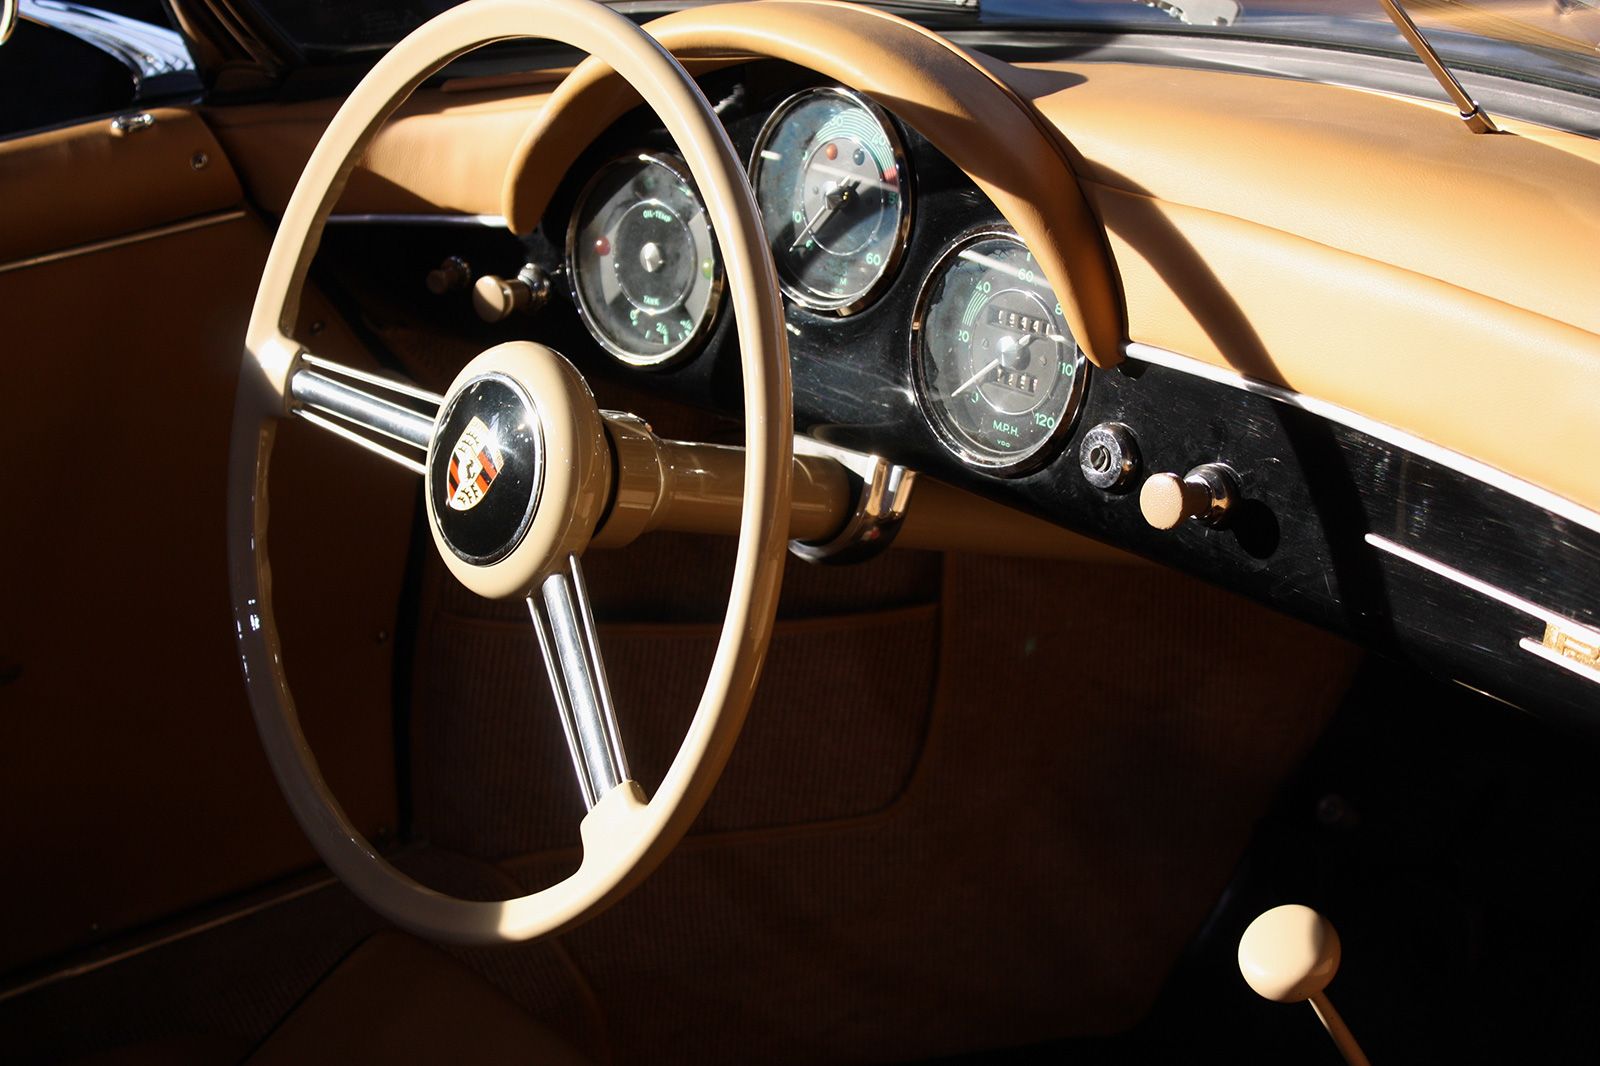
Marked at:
<point>475,462</point>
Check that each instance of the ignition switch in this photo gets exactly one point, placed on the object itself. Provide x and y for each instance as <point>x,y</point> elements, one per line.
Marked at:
<point>1109,456</point>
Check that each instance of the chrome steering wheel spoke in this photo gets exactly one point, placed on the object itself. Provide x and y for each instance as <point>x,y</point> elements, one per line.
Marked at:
<point>564,622</point>
<point>366,409</point>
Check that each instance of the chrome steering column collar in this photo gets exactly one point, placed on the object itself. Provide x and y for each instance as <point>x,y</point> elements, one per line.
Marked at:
<point>883,493</point>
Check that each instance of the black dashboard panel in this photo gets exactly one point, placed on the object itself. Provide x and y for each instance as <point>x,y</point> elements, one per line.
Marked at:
<point>1324,501</point>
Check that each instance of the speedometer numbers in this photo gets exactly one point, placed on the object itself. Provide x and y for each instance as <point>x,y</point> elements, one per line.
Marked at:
<point>830,176</point>
<point>996,367</point>
<point>641,260</point>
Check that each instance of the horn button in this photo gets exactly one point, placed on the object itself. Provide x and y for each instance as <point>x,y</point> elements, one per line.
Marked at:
<point>518,471</point>
<point>486,469</point>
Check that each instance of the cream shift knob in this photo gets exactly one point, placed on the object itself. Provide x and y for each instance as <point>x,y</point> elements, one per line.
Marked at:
<point>1289,954</point>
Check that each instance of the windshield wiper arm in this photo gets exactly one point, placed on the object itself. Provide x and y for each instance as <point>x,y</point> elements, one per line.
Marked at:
<point>1476,118</point>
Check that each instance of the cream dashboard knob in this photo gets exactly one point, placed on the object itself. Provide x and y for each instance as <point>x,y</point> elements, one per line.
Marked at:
<point>496,299</point>
<point>1204,494</point>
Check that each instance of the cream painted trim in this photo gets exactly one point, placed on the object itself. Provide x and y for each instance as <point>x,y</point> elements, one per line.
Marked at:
<point>118,242</point>
<point>1462,464</point>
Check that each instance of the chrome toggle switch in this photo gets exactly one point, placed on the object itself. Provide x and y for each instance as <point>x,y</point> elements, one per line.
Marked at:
<point>451,275</point>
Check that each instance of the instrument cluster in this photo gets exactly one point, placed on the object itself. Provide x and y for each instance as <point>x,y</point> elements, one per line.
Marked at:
<point>996,372</point>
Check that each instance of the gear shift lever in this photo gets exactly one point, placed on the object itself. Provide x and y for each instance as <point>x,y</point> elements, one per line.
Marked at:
<point>1289,954</point>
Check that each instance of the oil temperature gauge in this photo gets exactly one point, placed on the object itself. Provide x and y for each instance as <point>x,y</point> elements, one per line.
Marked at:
<point>641,260</point>
<point>997,370</point>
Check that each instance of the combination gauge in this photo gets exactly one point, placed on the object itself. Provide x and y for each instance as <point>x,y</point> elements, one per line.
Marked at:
<point>642,262</point>
<point>830,177</point>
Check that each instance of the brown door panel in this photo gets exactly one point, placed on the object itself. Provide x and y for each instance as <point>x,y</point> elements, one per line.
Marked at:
<point>93,181</point>
<point>130,773</point>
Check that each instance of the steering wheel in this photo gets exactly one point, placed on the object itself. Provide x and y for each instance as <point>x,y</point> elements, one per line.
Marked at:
<point>517,472</point>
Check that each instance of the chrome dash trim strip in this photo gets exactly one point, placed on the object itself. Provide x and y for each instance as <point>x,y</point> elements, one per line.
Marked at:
<point>1478,585</point>
<point>1461,464</point>
<point>118,242</point>
<point>1528,644</point>
<point>418,219</point>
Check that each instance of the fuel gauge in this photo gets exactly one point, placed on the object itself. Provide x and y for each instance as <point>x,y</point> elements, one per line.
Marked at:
<point>642,262</point>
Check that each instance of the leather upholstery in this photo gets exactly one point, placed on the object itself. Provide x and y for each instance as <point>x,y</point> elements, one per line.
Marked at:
<point>84,183</point>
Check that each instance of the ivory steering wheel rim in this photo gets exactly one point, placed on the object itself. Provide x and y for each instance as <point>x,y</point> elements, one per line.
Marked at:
<point>624,835</point>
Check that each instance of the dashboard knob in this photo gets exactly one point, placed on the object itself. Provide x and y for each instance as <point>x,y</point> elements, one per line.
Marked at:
<point>451,274</point>
<point>1204,494</point>
<point>496,299</point>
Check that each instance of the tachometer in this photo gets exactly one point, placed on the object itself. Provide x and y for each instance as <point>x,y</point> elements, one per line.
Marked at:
<point>830,177</point>
<point>641,260</point>
<point>996,367</point>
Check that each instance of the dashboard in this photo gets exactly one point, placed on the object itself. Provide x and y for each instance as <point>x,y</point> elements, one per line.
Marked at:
<point>923,329</point>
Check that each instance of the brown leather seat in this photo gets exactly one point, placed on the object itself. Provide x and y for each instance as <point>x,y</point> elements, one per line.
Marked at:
<point>397,1000</point>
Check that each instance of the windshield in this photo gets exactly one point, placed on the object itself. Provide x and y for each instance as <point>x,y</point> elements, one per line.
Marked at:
<point>1550,41</point>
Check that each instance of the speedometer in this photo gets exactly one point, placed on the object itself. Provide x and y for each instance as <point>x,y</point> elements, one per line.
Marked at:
<point>830,176</point>
<point>641,260</point>
<point>996,367</point>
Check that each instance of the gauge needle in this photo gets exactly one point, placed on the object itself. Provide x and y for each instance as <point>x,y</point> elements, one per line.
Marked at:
<point>974,379</point>
<point>834,200</point>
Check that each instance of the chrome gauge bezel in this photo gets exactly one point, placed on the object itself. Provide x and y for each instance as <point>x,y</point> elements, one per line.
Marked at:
<point>1047,448</point>
<point>891,264</point>
<point>690,344</point>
